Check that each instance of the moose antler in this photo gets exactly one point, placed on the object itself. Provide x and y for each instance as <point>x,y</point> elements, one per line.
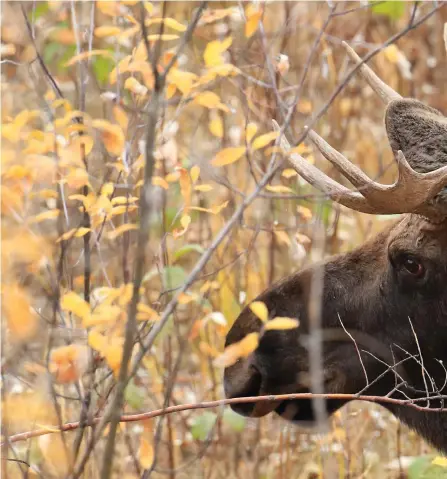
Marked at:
<point>413,192</point>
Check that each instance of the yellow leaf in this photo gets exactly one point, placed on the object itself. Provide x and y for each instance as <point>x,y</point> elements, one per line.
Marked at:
<point>111,8</point>
<point>301,149</point>
<point>121,117</point>
<point>103,314</point>
<point>122,67</point>
<point>56,455</point>
<point>280,323</point>
<point>120,230</point>
<point>77,232</point>
<point>133,85</point>
<point>203,187</point>
<point>20,318</point>
<point>250,131</point>
<point>46,215</point>
<point>146,313</point>
<point>112,136</point>
<point>283,237</point>
<point>278,189</point>
<point>218,208</point>
<point>161,182</point>
<point>392,54</point>
<point>149,8</point>
<point>253,17</point>
<point>289,173</point>
<point>113,354</point>
<point>304,212</point>
<point>172,177</point>
<point>88,54</point>
<point>107,31</point>
<point>81,232</point>
<point>195,173</point>
<point>146,454</point>
<point>185,221</point>
<point>264,140</point>
<point>213,51</point>
<point>73,303</point>
<point>123,200</point>
<point>228,156</point>
<point>216,126</point>
<point>97,341</point>
<point>260,310</point>
<point>170,91</point>
<point>238,350</point>
<point>164,37</point>
<point>182,80</point>
<point>209,99</point>
<point>304,106</point>
<point>440,461</point>
<point>169,22</point>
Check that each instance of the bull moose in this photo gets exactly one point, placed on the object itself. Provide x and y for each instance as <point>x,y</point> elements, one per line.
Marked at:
<point>383,305</point>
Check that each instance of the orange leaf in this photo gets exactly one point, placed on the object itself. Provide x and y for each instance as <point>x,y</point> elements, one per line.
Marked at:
<point>88,54</point>
<point>112,136</point>
<point>253,17</point>
<point>238,350</point>
<point>107,31</point>
<point>68,363</point>
<point>120,230</point>
<point>146,454</point>
<point>20,318</point>
<point>161,182</point>
<point>46,215</point>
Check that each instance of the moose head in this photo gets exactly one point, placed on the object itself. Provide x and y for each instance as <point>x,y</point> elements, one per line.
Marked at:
<point>383,314</point>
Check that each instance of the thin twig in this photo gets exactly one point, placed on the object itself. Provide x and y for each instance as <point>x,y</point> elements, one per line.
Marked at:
<point>411,403</point>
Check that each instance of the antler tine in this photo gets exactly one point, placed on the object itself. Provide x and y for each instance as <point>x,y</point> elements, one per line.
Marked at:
<point>385,92</point>
<point>411,193</point>
<point>322,182</point>
<point>352,172</point>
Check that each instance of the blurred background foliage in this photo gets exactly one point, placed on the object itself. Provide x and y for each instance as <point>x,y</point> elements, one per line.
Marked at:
<point>71,179</point>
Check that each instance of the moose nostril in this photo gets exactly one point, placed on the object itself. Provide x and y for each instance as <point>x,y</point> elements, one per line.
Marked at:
<point>242,382</point>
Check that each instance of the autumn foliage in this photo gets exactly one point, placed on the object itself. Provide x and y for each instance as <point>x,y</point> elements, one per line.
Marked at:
<point>86,87</point>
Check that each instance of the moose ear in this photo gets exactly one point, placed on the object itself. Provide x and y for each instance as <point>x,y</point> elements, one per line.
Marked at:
<point>419,131</point>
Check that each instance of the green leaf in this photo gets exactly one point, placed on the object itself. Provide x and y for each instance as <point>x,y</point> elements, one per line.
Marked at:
<point>68,52</point>
<point>393,10</point>
<point>102,66</point>
<point>50,51</point>
<point>40,9</point>
<point>202,425</point>
<point>173,277</point>
<point>233,420</point>
<point>422,468</point>
<point>134,395</point>
<point>188,248</point>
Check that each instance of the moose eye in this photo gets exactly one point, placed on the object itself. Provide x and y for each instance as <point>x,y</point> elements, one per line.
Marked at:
<point>413,266</point>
